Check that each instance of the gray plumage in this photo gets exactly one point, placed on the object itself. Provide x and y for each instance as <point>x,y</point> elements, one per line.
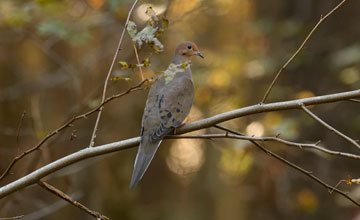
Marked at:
<point>169,102</point>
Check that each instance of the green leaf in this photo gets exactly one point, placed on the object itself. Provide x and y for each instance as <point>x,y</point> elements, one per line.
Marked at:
<point>132,29</point>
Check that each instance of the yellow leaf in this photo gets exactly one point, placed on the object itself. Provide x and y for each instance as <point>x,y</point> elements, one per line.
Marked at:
<point>124,65</point>
<point>120,78</point>
<point>165,23</point>
<point>184,65</point>
<point>146,62</point>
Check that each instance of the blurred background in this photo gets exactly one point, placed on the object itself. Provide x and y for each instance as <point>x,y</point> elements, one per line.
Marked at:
<point>54,57</point>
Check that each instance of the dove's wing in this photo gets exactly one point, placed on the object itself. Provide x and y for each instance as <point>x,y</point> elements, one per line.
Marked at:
<point>174,104</point>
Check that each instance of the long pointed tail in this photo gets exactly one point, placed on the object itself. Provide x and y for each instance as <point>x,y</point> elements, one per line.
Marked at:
<point>142,161</point>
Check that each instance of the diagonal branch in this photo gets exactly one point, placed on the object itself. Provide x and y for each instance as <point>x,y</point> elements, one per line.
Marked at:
<point>118,48</point>
<point>67,198</point>
<point>36,175</point>
<point>68,124</point>
<point>307,173</point>
<point>326,125</point>
<point>322,19</point>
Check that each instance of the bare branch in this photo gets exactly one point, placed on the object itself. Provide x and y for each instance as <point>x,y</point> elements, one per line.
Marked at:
<point>118,48</point>
<point>267,139</point>
<point>36,175</point>
<point>326,125</point>
<point>12,218</point>
<point>68,124</point>
<point>18,131</point>
<point>307,173</point>
<point>354,100</point>
<point>322,19</point>
<point>138,62</point>
<point>67,198</point>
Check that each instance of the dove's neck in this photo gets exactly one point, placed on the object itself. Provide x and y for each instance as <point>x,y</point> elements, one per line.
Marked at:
<point>179,59</point>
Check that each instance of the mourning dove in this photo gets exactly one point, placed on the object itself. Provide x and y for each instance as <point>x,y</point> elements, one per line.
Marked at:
<point>169,102</point>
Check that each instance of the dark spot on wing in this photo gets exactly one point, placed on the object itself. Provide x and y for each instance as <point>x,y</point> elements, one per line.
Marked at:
<point>177,110</point>
<point>145,116</point>
<point>179,103</point>
<point>173,120</point>
<point>160,111</point>
<point>169,115</point>
<point>162,117</point>
<point>161,100</point>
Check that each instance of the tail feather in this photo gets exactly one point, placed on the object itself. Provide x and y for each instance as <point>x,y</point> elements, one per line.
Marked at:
<point>142,162</point>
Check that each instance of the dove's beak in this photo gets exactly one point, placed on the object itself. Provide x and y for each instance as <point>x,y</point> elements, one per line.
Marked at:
<point>200,54</point>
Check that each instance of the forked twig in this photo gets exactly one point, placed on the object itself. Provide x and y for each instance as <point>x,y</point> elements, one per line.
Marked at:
<point>326,125</point>
<point>68,124</point>
<point>322,19</point>
<point>267,139</point>
<point>118,48</point>
<point>308,173</point>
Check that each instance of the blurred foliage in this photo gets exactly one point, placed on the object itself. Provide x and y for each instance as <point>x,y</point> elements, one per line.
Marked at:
<point>53,62</point>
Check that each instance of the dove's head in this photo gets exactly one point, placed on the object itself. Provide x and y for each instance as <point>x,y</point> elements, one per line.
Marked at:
<point>185,50</point>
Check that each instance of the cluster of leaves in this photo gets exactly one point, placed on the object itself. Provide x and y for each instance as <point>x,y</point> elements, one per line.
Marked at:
<point>150,33</point>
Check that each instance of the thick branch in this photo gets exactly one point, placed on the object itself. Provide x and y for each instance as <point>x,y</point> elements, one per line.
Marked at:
<point>205,123</point>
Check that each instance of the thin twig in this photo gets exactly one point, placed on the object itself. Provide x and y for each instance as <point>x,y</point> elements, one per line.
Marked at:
<point>69,124</point>
<point>266,139</point>
<point>67,198</point>
<point>308,173</point>
<point>18,131</point>
<point>118,48</point>
<point>322,19</point>
<point>332,129</point>
<point>354,100</point>
<point>138,62</point>
<point>13,218</point>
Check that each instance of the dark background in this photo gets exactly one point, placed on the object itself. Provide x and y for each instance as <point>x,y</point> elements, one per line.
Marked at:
<point>54,57</point>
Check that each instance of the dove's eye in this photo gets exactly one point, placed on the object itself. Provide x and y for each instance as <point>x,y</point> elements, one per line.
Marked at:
<point>189,47</point>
